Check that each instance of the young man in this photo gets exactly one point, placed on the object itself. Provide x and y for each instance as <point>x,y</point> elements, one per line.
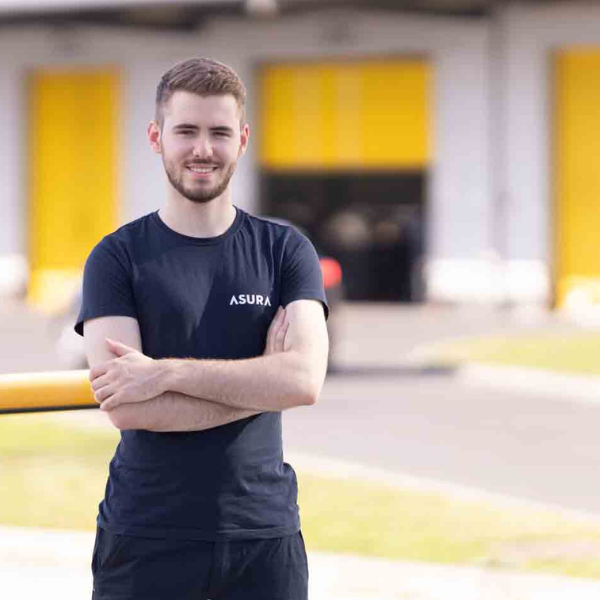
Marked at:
<point>201,324</point>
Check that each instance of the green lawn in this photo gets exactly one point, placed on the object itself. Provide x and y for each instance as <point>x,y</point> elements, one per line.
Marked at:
<point>53,475</point>
<point>572,353</point>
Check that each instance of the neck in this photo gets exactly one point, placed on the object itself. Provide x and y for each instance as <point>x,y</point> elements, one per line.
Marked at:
<point>200,220</point>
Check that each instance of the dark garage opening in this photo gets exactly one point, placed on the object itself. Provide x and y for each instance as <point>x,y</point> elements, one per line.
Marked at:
<point>372,223</point>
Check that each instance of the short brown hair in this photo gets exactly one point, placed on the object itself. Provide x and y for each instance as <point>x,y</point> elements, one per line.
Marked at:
<point>202,76</point>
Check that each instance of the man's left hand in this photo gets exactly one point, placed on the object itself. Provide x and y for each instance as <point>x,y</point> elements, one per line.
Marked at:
<point>129,377</point>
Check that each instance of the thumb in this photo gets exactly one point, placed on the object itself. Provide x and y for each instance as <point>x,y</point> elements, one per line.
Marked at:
<point>118,348</point>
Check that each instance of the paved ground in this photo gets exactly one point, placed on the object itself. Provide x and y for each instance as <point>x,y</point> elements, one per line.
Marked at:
<point>535,447</point>
<point>388,413</point>
<point>54,566</point>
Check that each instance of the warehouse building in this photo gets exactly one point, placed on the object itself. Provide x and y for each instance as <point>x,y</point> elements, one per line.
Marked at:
<point>442,150</point>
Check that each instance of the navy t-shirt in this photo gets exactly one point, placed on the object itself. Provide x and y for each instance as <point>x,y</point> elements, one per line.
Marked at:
<point>201,298</point>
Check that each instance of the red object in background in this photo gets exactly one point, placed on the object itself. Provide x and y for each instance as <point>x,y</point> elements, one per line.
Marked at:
<point>332,272</point>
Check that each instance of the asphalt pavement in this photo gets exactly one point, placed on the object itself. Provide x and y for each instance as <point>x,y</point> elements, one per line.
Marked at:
<point>535,447</point>
<point>386,409</point>
<point>381,412</point>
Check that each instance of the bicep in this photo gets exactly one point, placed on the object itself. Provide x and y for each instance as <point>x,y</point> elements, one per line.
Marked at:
<point>121,329</point>
<point>307,332</point>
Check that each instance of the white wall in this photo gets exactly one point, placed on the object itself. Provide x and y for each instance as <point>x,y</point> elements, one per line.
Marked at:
<point>459,194</point>
<point>13,242</point>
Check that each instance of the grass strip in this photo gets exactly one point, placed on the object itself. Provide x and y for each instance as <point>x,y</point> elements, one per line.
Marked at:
<point>566,353</point>
<point>348,516</point>
<point>53,475</point>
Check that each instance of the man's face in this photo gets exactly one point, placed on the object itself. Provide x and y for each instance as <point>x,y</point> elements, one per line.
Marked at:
<point>200,143</point>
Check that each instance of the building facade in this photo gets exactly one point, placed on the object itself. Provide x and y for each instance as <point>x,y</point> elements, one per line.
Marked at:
<point>478,133</point>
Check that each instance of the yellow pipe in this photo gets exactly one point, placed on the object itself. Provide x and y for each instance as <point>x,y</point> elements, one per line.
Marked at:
<point>45,391</point>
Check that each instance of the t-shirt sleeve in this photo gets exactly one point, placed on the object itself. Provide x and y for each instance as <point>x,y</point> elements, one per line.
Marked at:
<point>107,288</point>
<point>302,278</point>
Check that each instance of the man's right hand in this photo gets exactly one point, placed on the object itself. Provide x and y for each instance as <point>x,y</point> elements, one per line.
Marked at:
<point>276,333</point>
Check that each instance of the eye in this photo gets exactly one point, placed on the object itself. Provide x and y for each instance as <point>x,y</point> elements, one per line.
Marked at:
<point>222,133</point>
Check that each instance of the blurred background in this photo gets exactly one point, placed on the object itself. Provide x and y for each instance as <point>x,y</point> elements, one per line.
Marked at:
<point>442,150</point>
<point>442,156</point>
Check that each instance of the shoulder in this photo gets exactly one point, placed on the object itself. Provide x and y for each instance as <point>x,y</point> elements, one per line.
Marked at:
<point>133,230</point>
<point>278,232</point>
<point>297,257</point>
<point>118,245</point>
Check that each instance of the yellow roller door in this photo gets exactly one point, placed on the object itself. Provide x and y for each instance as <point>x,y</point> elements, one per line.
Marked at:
<point>345,115</point>
<point>577,148</point>
<point>73,172</point>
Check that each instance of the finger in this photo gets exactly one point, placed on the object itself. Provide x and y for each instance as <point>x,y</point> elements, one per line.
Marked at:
<point>280,336</point>
<point>269,343</point>
<point>110,403</point>
<point>273,328</point>
<point>119,348</point>
<point>284,337</point>
<point>286,344</point>
<point>100,382</point>
<point>277,318</point>
<point>103,394</point>
<point>98,371</point>
<point>276,336</point>
<point>278,323</point>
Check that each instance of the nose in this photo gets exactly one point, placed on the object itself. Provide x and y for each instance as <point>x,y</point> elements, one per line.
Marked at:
<point>202,148</point>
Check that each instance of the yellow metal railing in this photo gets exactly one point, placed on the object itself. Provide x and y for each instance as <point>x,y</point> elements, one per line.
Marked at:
<point>54,390</point>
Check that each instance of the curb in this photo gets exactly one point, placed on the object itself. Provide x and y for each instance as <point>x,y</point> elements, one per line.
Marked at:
<point>540,382</point>
<point>348,470</point>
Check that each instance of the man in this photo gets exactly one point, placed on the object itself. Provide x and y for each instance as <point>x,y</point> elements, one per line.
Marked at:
<point>201,324</point>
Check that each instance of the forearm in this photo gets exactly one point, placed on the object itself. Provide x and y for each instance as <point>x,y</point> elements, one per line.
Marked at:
<point>266,383</point>
<point>289,373</point>
<point>172,412</point>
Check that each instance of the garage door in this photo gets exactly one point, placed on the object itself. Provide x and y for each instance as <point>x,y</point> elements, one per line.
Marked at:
<point>344,153</point>
<point>73,176</point>
<point>367,115</point>
<point>577,184</point>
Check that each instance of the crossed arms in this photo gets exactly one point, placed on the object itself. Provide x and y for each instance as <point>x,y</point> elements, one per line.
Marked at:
<point>138,392</point>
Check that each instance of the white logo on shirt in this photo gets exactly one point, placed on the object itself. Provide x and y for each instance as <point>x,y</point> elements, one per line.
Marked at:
<point>250,299</point>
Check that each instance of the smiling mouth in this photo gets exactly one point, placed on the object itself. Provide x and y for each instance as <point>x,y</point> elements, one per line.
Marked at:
<point>202,170</point>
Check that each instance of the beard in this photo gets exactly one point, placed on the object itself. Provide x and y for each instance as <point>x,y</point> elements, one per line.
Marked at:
<point>198,194</point>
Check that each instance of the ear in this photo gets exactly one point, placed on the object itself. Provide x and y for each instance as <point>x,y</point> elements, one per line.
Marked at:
<point>244,139</point>
<point>154,137</point>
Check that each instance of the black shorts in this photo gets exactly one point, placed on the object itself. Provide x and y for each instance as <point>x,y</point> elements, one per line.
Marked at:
<point>136,568</point>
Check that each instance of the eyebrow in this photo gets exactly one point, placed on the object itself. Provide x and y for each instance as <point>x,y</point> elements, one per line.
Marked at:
<point>221,128</point>
<point>185,126</point>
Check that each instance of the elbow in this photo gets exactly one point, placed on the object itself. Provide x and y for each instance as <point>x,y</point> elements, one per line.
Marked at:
<point>310,399</point>
<point>308,380</point>
<point>300,394</point>
<point>312,385</point>
<point>309,393</point>
<point>121,419</point>
<point>117,420</point>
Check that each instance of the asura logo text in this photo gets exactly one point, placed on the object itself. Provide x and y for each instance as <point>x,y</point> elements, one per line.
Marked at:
<point>250,299</point>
